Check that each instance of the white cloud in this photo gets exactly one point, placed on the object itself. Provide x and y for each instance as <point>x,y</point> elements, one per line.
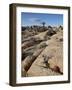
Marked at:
<point>34,20</point>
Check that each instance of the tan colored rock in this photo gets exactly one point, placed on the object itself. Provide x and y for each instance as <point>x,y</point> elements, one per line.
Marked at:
<point>27,62</point>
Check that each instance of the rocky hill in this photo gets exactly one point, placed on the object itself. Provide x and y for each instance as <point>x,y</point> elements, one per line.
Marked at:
<point>42,51</point>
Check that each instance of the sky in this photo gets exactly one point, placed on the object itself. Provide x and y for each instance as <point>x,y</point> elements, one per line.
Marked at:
<point>29,19</point>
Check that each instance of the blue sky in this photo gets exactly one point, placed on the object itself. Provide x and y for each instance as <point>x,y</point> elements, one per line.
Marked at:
<point>28,19</point>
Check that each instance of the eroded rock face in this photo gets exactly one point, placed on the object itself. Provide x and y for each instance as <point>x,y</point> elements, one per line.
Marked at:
<point>32,60</point>
<point>26,64</point>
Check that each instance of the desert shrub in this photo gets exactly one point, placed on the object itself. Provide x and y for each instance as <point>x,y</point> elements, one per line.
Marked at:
<point>60,27</point>
<point>55,29</point>
<point>51,32</point>
<point>23,28</point>
<point>56,69</point>
<point>49,27</point>
<point>61,39</point>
